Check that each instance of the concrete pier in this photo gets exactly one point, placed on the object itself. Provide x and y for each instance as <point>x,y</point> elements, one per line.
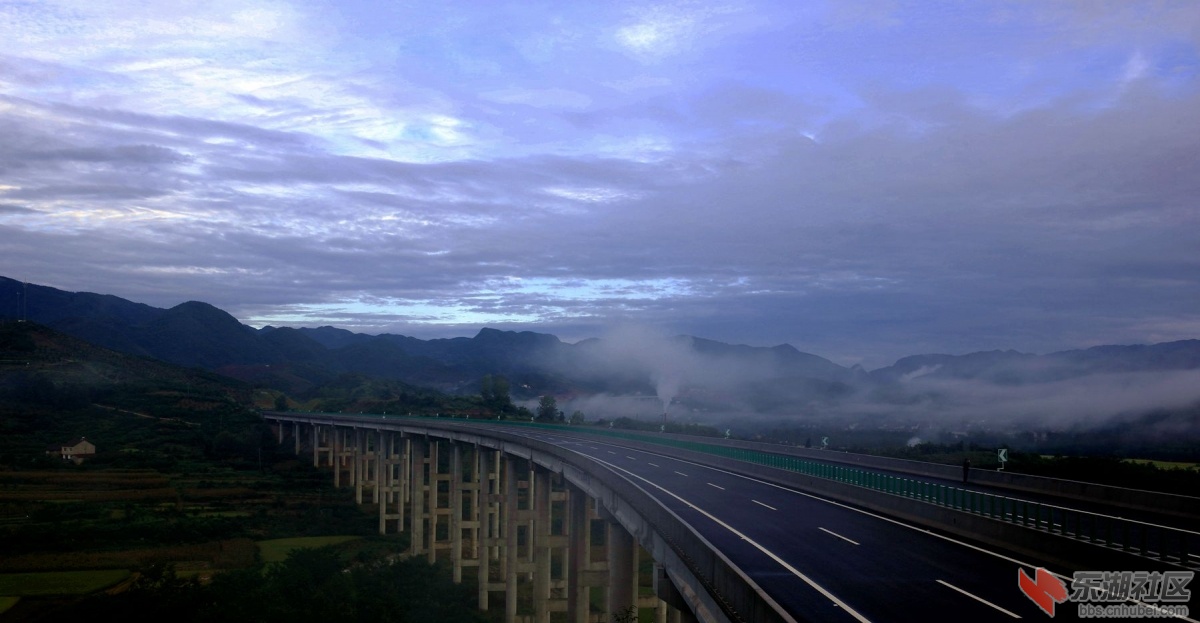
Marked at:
<point>534,541</point>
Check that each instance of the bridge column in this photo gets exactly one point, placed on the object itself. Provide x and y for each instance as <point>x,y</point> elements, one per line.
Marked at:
<point>484,514</point>
<point>509,558</point>
<point>578,555</point>
<point>385,478</point>
<point>433,508</point>
<point>476,493</point>
<point>377,467</point>
<point>364,460</point>
<point>494,494</point>
<point>456,510</point>
<point>557,541</point>
<point>316,445</point>
<point>324,441</point>
<point>347,453</point>
<point>622,569</point>
<point>356,456</point>
<point>417,493</point>
<point>583,574</point>
<point>335,456</point>
<point>404,494</point>
<point>296,437</point>
<point>542,545</point>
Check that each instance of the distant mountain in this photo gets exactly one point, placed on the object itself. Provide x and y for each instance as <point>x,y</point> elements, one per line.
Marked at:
<point>50,306</point>
<point>329,337</point>
<point>1180,355</point>
<point>783,360</point>
<point>993,365</point>
<point>198,334</point>
<point>1013,368</point>
<point>41,365</point>
<point>702,373</point>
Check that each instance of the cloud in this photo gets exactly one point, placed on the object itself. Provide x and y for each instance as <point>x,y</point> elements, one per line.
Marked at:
<point>552,98</point>
<point>863,181</point>
<point>659,31</point>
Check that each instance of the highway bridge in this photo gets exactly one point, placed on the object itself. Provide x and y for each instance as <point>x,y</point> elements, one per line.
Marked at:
<point>580,524</point>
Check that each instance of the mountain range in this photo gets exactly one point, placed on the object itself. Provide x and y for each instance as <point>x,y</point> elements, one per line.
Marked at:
<point>701,374</point>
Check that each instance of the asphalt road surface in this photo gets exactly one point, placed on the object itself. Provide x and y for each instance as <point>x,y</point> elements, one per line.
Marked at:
<point>825,561</point>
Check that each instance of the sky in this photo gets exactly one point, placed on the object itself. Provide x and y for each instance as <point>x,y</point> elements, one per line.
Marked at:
<point>864,180</point>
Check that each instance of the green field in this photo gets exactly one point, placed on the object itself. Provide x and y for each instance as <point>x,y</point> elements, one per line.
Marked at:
<point>1166,464</point>
<point>276,550</point>
<point>7,602</point>
<point>58,582</point>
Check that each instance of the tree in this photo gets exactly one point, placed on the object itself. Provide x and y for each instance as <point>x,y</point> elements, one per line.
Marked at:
<point>547,409</point>
<point>487,389</point>
<point>577,417</point>
<point>500,390</point>
<point>494,393</point>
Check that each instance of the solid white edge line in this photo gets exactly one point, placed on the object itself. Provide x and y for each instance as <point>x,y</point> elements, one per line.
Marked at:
<point>767,505</point>
<point>837,535</point>
<point>717,486</point>
<point>979,599</point>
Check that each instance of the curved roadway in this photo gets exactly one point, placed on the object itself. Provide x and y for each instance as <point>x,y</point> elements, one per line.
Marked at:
<point>822,560</point>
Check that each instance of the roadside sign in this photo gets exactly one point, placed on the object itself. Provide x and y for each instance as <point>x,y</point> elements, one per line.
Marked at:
<point>1002,454</point>
<point>824,442</point>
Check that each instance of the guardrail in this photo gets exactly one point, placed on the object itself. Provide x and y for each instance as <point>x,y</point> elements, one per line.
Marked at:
<point>1163,543</point>
<point>1186,507</point>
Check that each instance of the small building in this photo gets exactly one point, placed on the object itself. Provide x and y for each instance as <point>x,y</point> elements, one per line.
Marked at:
<point>75,450</point>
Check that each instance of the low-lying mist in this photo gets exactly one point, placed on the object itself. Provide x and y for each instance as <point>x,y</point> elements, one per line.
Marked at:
<point>698,381</point>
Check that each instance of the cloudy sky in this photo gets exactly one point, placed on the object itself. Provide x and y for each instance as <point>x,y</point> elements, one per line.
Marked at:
<point>863,180</point>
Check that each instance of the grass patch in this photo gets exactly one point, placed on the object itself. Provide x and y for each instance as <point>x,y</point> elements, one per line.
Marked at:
<point>7,602</point>
<point>59,582</point>
<point>276,550</point>
<point>1165,464</point>
<point>227,554</point>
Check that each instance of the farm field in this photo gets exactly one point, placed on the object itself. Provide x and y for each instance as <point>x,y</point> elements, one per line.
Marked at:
<point>277,550</point>
<point>72,531</point>
<point>59,582</point>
